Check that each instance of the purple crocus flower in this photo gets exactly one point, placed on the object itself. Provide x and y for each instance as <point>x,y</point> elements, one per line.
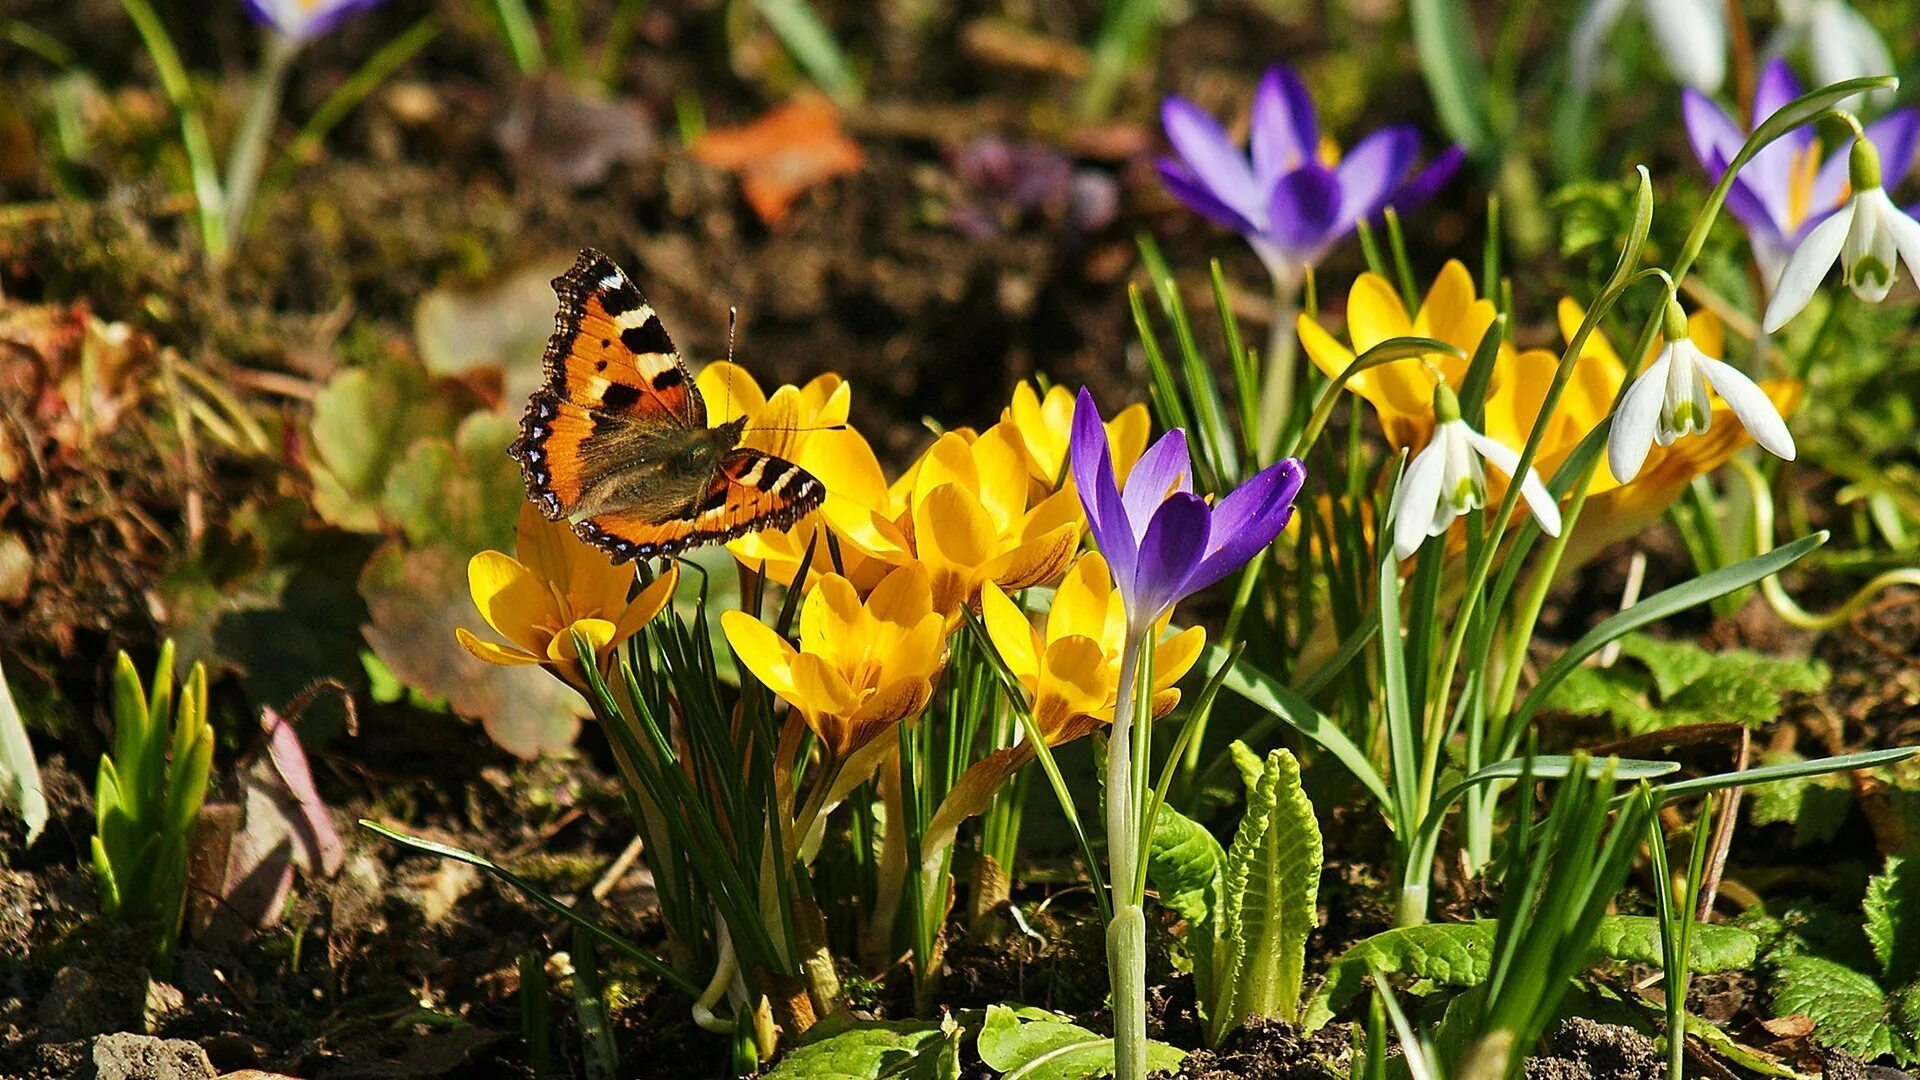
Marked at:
<point>1787,188</point>
<point>304,20</point>
<point>1290,203</point>
<point>1163,542</point>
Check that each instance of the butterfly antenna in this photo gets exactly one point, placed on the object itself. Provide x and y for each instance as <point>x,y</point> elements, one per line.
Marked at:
<point>733,322</point>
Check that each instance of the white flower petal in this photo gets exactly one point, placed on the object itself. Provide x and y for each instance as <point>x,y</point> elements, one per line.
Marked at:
<point>1906,237</point>
<point>1807,267</point>
<point>1545,510</point>
<point>1751,404</point>
<point>1693,40</point>
<point>1634,422</point>
<point>1590,40</point>
<point>1417,497</point>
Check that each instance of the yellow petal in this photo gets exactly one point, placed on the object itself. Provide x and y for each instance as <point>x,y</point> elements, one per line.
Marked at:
<point>819,688</point>
<point>892,703</point>
<point>951,528</point>
<point>1571,315</point>
<point>514,600</point>
<point>948,461</point>
<point>1327,354</point>
<point>540,545</point>
<point>1164,702</point>
<point>1174,657</point>
<point>999,459</point>
<point>1036,561</point>
<point>1707,332</point>
<point>778,429</point>
<point>917,653</point>
<point>763,652</point>
<point>834,624</point>
<point>903,598</point>
<point>598,632</point>
<point>651,601</point>
<point>1012,635</point>
<point>1076,669</point>
<point>1375,313</point>
<point>490,652</point>
<point>1126,435</point>
<point>730,391</point>
<point>1081,604</point>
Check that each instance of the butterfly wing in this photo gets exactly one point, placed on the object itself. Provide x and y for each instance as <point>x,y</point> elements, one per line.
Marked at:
<point>617,393</point>
<point>750,491</point>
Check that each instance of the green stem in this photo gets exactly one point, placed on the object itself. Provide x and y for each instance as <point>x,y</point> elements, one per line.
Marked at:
<point>249,158</point>
<point>1276,393</point>
<point>1127,932</point>
<point>523,38</point>
<point>209,196</point>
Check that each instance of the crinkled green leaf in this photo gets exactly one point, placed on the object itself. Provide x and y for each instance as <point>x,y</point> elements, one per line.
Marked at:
<point>364,420</point>
<point>1183,863</point>
<point>903,1050</point>
<point>1460,955</point>
<point>1272,877</point>
<point>1816,806</point>
<point>464,492</point>
<point>1031,1044</point>
<point>1674,683</point>
<point>1849,1009</point>
<point>1893,920</point>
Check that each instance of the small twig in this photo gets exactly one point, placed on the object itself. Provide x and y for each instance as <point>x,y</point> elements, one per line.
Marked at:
<point>618,870</point>
<point>1629,596</point>
<point>1723,834</point>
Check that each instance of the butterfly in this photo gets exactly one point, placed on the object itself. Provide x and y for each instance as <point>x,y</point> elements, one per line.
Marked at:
<point>617,441</point>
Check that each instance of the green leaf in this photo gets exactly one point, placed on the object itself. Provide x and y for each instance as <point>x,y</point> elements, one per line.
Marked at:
<point>812,46</point>
<point>1032,1044</point>
<point>1816,806</point>
<point>1460,955</point>
<point>19,772</point>
<point>1272,877</point>
<point>1893,920</point>
<point>363,422</point>
<point>900,1050</point>
<point>1849,1010</point>
<point>1183,863</point>
<point>1654,608</point>
<point>1264,691</point>
<point>1450,62</point>
<point>464,492</point>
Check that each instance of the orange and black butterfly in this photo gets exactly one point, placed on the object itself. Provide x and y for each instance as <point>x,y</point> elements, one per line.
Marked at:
<point>617,440</point>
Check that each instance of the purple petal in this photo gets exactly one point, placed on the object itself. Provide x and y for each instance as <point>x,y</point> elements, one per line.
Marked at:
<point>1189,190</point>
<point>1213,159</point>
<point>1285,134</point>
<point>1099,494</point>
<point>1428,181</point>
<point>1305,211</point>
<point>1373,171</point>
<point>1896,135</point>
<point>1172,548</point>
<point>1776,87</point>
<point>1745,202</point>
<point>1248,519</point>
<point>1712,132</point>
<point>1162,470</point>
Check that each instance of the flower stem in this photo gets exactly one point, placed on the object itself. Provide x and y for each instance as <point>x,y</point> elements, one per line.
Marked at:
<point>1127,932</point>
<point>249,157</point>
<point>1276,393</point>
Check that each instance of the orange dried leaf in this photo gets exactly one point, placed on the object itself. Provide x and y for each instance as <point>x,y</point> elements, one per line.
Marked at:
<point>791,148</point>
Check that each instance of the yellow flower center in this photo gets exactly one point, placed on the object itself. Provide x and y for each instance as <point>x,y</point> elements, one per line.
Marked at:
<point>1800,179</point>
<point>1329,151</point>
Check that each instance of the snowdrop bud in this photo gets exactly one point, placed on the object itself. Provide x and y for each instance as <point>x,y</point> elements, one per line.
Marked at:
<point>1675,323</point>
<point>1863,165</point>
<point>1446,405</point>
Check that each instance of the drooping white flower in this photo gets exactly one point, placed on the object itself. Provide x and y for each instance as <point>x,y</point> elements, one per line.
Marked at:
<point>1673,399</point>
<point>1448,478</point>
<point>1690,34</point>
<point>1869,236</point>
<point>1841,44</point>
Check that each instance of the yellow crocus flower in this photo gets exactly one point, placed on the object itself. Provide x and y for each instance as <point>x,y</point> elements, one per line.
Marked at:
<point>1402,392</point>
<point>1045,425</point>
<point>861,667</point>
<point>1072,670</point>
<point>806,425</point>
<point>965,512</point>
<point>557,585</point>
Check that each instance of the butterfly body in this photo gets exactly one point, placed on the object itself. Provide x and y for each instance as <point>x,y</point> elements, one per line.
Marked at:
<point>617,441</point>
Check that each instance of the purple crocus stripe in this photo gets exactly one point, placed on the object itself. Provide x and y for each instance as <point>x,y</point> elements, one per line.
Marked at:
<point>1277,193</point>
<point>1163,542</point>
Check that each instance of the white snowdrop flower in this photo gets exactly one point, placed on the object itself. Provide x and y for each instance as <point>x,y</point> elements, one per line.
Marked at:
<point>1673,399</point>
<point>1448,478</point>
<point>1691,36</point>
<point>1868,237</point>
